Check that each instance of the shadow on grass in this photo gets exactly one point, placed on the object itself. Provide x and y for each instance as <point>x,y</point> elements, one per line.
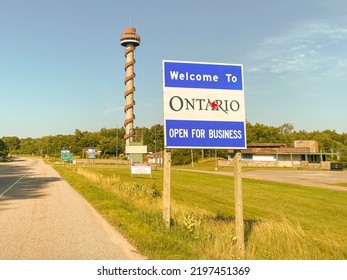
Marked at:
<point>248,224</point>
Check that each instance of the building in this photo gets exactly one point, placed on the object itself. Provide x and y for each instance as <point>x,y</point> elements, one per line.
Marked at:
<point>304,154</point>
<point>155,158</point>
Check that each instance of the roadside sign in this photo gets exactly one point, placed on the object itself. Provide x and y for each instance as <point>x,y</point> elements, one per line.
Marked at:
<point>141,169</point>
<point>136,149</point>
<point>65,155</point>
<point>203,105</point>
<point>91,153</point>
<point>91,156</point>
<point>204,108</point>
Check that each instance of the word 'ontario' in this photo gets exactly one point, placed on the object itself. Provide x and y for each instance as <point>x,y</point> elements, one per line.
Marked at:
<point>177,104</point>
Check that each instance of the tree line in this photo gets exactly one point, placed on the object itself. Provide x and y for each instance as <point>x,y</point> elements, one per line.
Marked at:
<point>110,141</point>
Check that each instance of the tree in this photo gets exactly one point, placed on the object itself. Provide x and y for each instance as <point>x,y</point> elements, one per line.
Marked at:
<point>109,146</point>
<point>154,138</point>
<point>183,156</point>
<point>3,149</point>
<point>12,143</point>
<point>286,129</point>
<point>260,133</point>
<point>111,141</point>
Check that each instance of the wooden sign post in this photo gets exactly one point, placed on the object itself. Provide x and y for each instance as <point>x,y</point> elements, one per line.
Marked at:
<point>240,235</point>
<point>167,187</point>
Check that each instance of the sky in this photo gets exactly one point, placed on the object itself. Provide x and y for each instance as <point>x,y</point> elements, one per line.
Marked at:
<point>62,66</point>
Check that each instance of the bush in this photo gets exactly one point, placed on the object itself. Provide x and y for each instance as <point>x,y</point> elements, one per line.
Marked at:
<point>3,149</point>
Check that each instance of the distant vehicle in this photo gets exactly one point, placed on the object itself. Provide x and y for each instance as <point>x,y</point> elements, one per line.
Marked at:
<point>336,166</point>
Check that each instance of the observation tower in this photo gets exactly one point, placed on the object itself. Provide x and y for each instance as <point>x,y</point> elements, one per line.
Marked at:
<point>130,40</point>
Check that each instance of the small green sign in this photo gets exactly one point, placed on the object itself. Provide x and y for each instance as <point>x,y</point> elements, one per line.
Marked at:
<point>66,156</point>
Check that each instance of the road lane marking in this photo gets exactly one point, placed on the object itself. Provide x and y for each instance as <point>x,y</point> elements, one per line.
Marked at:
<point>10,187</point>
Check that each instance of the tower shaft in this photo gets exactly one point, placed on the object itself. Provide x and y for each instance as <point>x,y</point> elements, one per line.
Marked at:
<point>130,40</point>
<point>129,94</point>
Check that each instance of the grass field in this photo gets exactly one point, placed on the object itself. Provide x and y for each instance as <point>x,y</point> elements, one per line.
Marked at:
<point>282,221</point>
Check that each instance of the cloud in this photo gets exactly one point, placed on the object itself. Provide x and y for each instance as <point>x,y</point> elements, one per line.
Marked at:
<point>112,110</point>
<point>308,46</point>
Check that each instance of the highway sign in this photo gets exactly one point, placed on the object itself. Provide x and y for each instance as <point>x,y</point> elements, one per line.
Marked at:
<point>91,153</point>
<point>65,155</point>
<point>203,105</point>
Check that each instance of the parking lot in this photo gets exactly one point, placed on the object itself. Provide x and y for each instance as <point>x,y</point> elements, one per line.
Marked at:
<point>336,180</point>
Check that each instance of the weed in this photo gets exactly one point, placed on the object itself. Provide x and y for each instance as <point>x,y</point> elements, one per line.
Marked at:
<point>191,222</point>
<point>155,193</point>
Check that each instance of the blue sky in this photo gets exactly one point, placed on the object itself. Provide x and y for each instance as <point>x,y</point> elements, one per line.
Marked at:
<point>61,64</point>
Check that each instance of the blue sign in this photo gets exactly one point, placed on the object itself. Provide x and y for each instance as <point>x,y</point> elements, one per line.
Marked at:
<point>197,75</point>
<point>203,105</point>
<point>204,134</point>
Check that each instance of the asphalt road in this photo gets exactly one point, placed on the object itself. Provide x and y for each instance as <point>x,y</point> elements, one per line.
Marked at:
<point>43,218</point>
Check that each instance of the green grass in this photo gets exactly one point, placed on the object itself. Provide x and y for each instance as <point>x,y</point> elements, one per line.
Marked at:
<point>341,184</point>
<point>206,164</point>
<point>210,164</point>
<point>283,221</point>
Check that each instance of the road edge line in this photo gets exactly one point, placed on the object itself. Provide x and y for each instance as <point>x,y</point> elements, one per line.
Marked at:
<point>10,187</point>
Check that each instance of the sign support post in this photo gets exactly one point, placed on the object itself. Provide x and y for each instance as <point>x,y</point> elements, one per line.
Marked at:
<point>167,187</point>
<point>240,234</point>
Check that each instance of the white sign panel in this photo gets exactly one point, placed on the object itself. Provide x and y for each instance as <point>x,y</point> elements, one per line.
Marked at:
<point>141,169</point>
<point>136,149</point>
<point>204,105</point>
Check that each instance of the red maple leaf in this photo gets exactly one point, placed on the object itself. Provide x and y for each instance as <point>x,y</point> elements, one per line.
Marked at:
<point>214,105</point>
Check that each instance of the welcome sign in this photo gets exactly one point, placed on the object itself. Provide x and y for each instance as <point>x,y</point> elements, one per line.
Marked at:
<point>203,105</point>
